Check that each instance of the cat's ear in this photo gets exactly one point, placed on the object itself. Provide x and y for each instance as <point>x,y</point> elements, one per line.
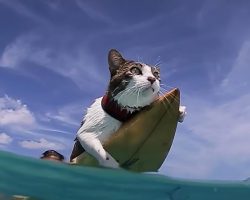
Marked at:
<point>115,60</point>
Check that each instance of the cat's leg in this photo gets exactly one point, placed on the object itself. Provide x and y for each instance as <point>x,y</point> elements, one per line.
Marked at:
<point>93,146</point>
<point>183,113</point>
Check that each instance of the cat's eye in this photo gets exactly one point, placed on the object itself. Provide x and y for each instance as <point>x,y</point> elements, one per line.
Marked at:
<point>157,75</point>
<point>135,70</point>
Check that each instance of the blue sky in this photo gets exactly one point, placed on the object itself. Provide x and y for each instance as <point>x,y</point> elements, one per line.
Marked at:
<point>53,64</point>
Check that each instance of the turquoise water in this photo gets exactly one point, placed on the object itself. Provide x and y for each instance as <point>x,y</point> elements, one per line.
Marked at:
<point>46,180</point>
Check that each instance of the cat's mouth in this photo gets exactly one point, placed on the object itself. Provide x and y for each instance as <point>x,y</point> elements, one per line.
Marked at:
<point>149,89</point>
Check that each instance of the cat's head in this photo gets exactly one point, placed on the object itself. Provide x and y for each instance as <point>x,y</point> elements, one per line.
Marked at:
<point>132,84</point>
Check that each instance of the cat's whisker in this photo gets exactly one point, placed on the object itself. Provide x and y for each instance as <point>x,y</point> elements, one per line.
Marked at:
<point>170,87</point>
<point>163,93</point>
<point>164,102</point>
<point>158,61</point>
<point>126,92</point>
<point>125,81</point>
<point>139,59</point>
<point>170,105</point>
<point>115,90</point>
<point>164,90</point>
<point>172,95</point>
<point>137,99</point>
<point>123,93</point>
<point>157,64</point>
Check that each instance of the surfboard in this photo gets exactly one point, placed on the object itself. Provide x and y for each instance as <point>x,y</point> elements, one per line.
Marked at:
<point>143,142</point>
<point>36,179</point>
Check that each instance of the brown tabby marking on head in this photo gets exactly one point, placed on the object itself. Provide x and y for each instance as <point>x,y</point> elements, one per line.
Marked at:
<point>120,72</point>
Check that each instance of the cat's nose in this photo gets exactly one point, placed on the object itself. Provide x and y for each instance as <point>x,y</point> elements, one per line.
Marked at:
<point>151,79</point>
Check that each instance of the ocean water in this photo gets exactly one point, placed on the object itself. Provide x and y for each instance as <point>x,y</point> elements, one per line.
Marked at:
<point>46,180</point>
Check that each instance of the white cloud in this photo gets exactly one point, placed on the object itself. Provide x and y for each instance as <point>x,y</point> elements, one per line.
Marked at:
<point>14,113</point>
<point>62,117</point>
<point>5,139</point>
<point>77,64</point>
<point>238,77</point>
<point>93,13</point>
<point>41,144</point>
<point>217,138</point>
<point>55,5</point>
<point>69,115</point>
<point>18,52</point>
<point>23,10</point>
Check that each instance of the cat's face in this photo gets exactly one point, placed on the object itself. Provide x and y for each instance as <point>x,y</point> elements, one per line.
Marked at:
<point>132,84</point>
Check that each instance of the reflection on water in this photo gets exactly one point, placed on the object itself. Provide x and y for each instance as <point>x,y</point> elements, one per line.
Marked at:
<point>15,197</point>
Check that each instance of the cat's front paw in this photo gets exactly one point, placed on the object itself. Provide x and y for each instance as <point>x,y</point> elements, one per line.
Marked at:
<point>109,162</point>
<point>183,113</point>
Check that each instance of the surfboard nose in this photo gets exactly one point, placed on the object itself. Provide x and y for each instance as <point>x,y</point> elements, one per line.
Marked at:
<point>175,92</point>
<point>171,96</point>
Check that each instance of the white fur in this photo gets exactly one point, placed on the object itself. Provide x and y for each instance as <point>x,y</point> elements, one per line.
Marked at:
<point>183,113</point>
<point>98,122</point>
<point>97,128</point>
<point>139,92</point>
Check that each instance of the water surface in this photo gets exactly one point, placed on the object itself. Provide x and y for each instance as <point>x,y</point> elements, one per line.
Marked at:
<point>47,180</point>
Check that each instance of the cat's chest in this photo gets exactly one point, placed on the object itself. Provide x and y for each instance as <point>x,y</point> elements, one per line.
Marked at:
<point>99,123</point>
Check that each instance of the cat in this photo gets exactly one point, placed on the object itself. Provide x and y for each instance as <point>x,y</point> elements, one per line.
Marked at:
<point>133,85</point>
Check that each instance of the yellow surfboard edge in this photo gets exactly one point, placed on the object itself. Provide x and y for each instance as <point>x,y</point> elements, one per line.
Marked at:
<point>143,142</point>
